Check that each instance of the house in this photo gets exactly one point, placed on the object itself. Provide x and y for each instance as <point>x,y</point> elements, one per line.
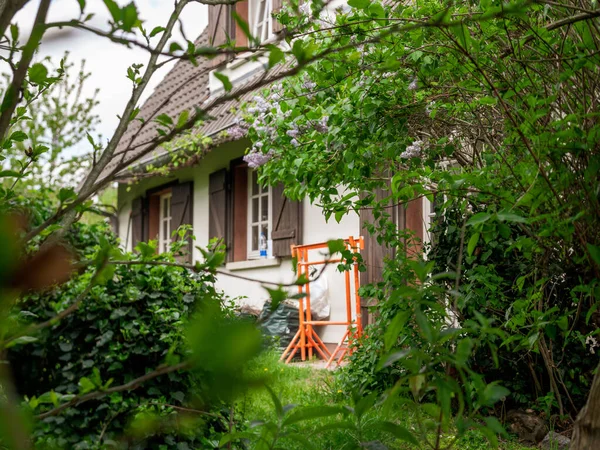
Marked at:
<point>218,195</point>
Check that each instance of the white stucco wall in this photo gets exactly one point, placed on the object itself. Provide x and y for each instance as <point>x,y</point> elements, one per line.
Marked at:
<point>315,229</point>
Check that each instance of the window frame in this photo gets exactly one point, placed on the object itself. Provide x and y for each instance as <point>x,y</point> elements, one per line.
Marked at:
<point>262,192</point>
<point>164,243</point>
<point>267,19</point>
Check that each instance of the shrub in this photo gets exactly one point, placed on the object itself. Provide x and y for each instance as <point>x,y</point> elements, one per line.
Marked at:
<point>124,328</point>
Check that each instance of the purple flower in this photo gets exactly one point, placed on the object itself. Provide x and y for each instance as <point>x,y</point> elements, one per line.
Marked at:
<point>257,158</point>
<point>237,132</point>
<point>294,142</point>
<point>292,133</point>
<point>413,150</point>
<point>413,86</point>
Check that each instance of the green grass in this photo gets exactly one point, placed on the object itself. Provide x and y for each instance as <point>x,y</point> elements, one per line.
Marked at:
<point>304,386</point>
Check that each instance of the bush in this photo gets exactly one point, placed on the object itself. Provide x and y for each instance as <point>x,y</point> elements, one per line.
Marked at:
<point>123,329</point>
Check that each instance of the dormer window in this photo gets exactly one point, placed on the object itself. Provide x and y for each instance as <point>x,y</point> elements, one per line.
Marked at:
<point>261,20</point>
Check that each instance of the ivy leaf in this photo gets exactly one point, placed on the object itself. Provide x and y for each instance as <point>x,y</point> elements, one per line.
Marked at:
<point>225,80</point>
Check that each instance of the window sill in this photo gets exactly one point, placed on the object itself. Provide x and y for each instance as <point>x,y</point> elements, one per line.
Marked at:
<point>253,264</point>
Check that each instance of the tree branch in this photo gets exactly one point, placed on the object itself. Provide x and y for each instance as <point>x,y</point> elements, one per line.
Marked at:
<point>12,94</point>
<point>133,384</point>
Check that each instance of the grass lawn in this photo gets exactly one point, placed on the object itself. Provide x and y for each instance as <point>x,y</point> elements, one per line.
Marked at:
<point>305,386</point>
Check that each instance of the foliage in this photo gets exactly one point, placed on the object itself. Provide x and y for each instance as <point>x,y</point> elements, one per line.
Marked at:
<point>55,124</point>
<point>482,112</point>
<point>124,328</point>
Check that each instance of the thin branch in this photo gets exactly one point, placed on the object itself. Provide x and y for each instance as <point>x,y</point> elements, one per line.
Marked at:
<point>13,92</point>
<point>133,384</point>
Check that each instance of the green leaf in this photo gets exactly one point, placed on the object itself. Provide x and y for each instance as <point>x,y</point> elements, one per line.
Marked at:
<point>493,393</point>
<point>10,173</point>
<point>225,80</point>
<point>376,10</point>
<point>243,24</point>
<point>360,4</point>
<point>312,412</point>
<point>146,250</point>
<point>175,47</point>
<point>510,217</point>
<point>394,329</point>
<point>38,73</point>
<point>129,16</point>
<point>183,118</point>
<point>156,30</point>
<point>594,252</point>
<point>164,119</point>
<point>472,243</point>
<point>85,385</point>
<point>277,296</point>
<point>18,136</point>
<point>113,9</point>
<point>22,340</point>
<point>335,246</point>
<point>66,194</point>
<point>479,218</point>
<point>424,325</point>
<point>276,402</point>
<point>276,55</point>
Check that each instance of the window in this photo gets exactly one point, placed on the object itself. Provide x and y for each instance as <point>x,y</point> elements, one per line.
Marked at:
<point>260,19</point>
<point>259,217</point>
<point>164,225</point>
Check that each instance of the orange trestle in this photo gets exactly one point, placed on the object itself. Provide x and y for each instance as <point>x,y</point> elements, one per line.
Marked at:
<point>307,339</point>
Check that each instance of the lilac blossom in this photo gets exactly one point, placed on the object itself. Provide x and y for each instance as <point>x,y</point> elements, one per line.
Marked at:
<point>292,133</point>
<point>321,126</point>
<point>257,158</point>
<point>413,150</point>
<point>429,107</point>
<point>413,86</point>
<point>294,142</point>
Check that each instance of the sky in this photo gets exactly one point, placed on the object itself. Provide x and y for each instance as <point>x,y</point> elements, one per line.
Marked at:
<point>108,62</point>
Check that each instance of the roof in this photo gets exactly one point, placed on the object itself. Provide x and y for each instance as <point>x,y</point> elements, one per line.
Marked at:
<point>185,87</point>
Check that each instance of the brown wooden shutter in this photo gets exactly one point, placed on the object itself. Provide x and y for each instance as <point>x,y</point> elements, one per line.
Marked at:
<point>182,208</point>
<point>277,5</point>
<point>217,205</point>
<point>137,221</point>
<point>375,253</point>
<point>221,27</point>
<point>414,222</point>
<point>287,222</point>
<point>241,9</point>
<point>238,247</point>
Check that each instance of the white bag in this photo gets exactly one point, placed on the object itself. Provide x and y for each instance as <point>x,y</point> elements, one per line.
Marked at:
<point>319,289</point>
